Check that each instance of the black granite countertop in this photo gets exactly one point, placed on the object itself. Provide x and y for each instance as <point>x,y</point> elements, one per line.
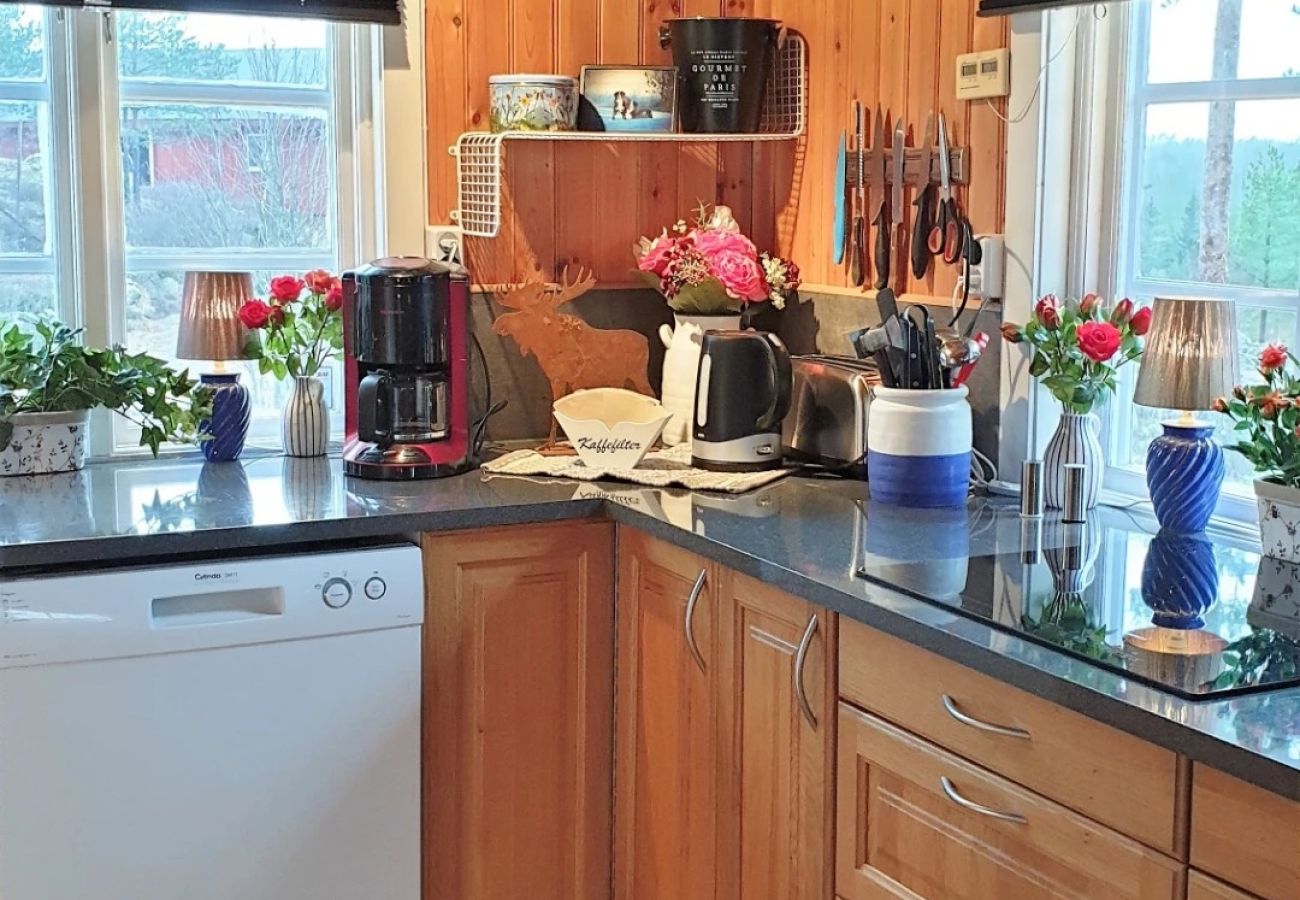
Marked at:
<point>805,536</point>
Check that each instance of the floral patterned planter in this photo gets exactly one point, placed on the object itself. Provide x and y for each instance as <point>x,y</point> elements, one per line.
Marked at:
<point>43,443</point>
<point>1279,520</point>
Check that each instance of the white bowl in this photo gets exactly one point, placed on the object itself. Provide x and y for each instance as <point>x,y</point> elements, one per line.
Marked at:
<point>611,428</point>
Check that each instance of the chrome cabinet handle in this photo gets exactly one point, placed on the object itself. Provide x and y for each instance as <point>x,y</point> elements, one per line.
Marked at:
<point>951,706</point>
<point>688,625</point>
<point>800,659</point>
<point>961,801</point>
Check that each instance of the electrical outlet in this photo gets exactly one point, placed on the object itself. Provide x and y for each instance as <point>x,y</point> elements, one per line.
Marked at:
<point>986,74</point>
<point>987,280</point>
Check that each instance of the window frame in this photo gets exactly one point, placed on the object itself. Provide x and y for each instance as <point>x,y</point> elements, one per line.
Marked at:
<point>374,67</point>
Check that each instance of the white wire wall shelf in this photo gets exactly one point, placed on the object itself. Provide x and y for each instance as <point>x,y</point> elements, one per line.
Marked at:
<point>480,154</point>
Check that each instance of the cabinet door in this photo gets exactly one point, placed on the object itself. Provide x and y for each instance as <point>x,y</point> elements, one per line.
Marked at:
<point>666,733</point>
<point>778,708</point>
<point>918,822</point>
<point>1202,887</point>
<point>518,713</point>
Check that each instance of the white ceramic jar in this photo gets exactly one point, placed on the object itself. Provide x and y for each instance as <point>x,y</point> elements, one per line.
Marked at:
<point>919,447</point>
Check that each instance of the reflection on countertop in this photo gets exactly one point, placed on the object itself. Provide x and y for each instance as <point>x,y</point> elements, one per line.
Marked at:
<point>810,536</point>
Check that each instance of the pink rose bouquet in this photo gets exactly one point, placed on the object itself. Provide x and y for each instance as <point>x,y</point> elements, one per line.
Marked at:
<point>710,268</point>
<point>293,334</point>
<point>1078,348</point>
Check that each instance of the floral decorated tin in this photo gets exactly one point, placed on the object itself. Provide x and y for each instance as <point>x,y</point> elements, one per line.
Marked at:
<point>533,102</point>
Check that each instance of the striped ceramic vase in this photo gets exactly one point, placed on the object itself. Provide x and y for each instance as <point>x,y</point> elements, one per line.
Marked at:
<point>306,418</point>
<point>1075,443</point>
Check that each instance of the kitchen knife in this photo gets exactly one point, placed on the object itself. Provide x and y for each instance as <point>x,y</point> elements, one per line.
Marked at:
<point>841,194</point>
<point>900,162</point>
<point>877,172</point>
<point>858,266</point>
<point>921,255</point>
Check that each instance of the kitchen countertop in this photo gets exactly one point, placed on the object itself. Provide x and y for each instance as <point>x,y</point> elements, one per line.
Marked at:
<point>806,536</point>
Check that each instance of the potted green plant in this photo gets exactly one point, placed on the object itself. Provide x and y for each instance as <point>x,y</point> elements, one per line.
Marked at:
<point>294,333</point>
<point>1078,350</point>
<point>1268,417</point>
<point>49,382</point>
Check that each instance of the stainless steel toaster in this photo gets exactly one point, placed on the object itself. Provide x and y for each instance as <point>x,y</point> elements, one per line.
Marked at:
<point>827,423</point>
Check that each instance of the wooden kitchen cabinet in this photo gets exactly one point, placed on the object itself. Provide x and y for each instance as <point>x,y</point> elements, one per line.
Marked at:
<point>778,710</point>
<point>518,713</point>
<point>668,741</point>
<point>1245,835</point>
<point>915,821</point>
<point>1202,887</point>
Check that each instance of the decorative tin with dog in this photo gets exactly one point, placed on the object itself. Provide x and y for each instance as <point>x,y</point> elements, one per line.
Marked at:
<point>533,102</point>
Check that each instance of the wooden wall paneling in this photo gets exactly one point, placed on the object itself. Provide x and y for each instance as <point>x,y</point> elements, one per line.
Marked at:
<point>895,20</point>
<point>954,39</point>
<point>488,53</point>
<point>986,196</point>
<point>922,96</point>
<point>699,179</point>
<point>864,44</point>
<point>763,161</point>
<point>576,211</point>
<point>445,100</point>
<point>530,166</point>
<point>657,163</point>
<point>618,29</point>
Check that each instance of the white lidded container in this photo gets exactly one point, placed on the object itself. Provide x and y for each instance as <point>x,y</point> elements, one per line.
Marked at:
<point>919,447</point>
<point>528,102</point>
<point>611,428</point>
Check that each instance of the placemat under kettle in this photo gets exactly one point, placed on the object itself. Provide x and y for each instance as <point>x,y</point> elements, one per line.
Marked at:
<point>667,467</point>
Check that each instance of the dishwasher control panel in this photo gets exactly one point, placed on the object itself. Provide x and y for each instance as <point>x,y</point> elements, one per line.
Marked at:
<point>207,604</point>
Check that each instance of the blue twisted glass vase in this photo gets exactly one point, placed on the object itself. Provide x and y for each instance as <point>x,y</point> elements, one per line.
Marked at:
<point>1185,470</point>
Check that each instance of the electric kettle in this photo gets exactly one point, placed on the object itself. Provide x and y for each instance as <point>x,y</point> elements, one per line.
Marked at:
<point>742,396</point>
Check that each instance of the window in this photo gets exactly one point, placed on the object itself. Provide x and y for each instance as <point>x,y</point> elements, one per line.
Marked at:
<point>137,146</point>
<point>28,253</point>
<point>1211,184</point>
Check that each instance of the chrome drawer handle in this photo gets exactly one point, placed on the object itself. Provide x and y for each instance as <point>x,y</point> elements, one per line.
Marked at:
<point>961,801</point>
<point>951,706</point>
<point>689,625</point>
<point>800,660</point>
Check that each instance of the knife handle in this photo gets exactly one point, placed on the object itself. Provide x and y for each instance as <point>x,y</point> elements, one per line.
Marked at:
<point>858,252</point>
<point>921,233</point>
<point>884,226</point>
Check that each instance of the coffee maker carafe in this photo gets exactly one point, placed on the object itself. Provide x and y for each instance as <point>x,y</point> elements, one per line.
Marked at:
<point>406,370</point>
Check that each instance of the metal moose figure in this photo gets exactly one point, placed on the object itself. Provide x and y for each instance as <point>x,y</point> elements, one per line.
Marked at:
<point>573,355</point>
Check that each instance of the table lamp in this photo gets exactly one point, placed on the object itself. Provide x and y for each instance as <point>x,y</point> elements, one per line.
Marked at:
<point>210,329</point>
<point>1190,361</point>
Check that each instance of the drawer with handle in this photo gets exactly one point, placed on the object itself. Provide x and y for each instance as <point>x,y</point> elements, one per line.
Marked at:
<point>917,821</point>
<point>1245,835</point>
<point>1119,780</point>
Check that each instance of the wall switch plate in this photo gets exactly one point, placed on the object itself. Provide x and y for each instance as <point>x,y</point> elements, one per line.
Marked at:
<point>985,74</point>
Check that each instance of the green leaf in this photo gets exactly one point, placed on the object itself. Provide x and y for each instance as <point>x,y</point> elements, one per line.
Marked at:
<point>1039,366</point>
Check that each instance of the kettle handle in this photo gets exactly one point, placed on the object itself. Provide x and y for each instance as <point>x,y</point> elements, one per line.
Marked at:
<point>782,374</point>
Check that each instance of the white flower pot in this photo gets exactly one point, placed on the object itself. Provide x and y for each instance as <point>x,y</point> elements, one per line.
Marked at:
<point>43,443</point>
<point>681,369</point>
<point>1279,520</point>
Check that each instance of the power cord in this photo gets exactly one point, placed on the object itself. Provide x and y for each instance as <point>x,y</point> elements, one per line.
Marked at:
<point>1099,13</point>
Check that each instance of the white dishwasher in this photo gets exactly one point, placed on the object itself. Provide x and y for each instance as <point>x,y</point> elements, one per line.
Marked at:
<point>242,730</point>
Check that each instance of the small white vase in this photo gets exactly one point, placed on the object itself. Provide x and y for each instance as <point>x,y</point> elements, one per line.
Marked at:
<point>681,368</point>
<point>1075,443</point>
<point>45,443</point>
<point>306,418</point>
<point>1279,521</point>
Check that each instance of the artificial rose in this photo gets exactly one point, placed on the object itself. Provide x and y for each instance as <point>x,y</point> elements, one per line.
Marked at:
<point>1270,404</point>
<point>1141,321</point>
<point>1272,358</point>
<point>1089,303</point>
<point>1122,313</point>
<point>1011,333</point>
<point>1221,405</point>
<point>318,281</point>
<point>334,298</point>
<point>723,220</point>
<point>712,242</point>
<point>287,288</point>
<point>255,314</point>
<point>1099,341</point>
<point>656,254</point>
<point>1048,311</point>
<point>276,317</point>
<point>740,276</point>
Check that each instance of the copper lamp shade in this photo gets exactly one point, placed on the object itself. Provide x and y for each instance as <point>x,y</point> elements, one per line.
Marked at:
<point>210,328</point>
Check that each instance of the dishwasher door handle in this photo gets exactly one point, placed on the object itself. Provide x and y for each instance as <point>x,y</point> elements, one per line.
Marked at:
<point>216,607</point>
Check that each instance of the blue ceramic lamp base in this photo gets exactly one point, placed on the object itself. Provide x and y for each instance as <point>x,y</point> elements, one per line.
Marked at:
<point>1185,470</point>
<point>232,410</point>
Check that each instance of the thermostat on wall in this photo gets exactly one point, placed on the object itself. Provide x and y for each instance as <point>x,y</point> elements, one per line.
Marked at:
<point>985,74</point>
